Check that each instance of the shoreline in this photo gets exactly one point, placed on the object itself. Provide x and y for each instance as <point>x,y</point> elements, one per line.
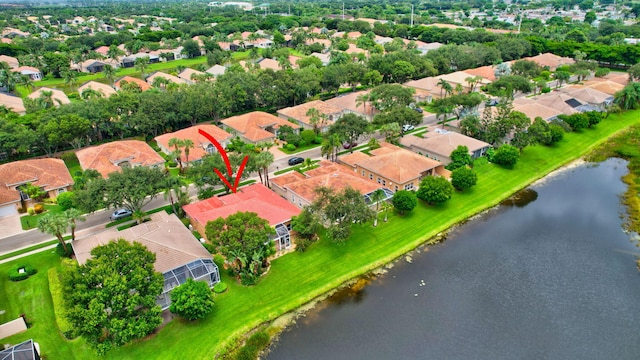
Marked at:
<point>285,321</point>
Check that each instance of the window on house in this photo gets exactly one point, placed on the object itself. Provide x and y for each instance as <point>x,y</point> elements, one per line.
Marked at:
<point>210,149</point>
<point>61,190</point>
<point>409,186</point>
<point>396,188</point>
<point>379,180</point>
<point>363,173</point>
<point>370,176</point>
<point>384,182</point>
<point>124,164</point>
<point>3,156</point>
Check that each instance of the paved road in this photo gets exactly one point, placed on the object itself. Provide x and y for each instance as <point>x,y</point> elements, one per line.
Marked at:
<point>97,221</point>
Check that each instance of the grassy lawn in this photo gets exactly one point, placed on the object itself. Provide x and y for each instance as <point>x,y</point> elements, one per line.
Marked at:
<point>297,278</point>
<point>299,149</point>
<point>31,221</point>
<point>73,164</point>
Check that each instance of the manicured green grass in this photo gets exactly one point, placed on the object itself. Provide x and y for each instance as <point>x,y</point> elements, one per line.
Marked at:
<point>297,278</point>
<point>31,221</point>
<point>298,149</point>
<point>31,248</point>
<point>297,168</point>
<point>73,164</point>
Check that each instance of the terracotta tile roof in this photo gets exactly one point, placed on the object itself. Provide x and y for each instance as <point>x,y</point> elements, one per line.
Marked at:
<point>551,60</point>
<point>348,102</point>
<point>268,64</point>
<point>443,144</point>
<point>106,157</point>
<point>429,84</point>
<point>299,112</point>
<point>557,101</point>
<point>324,42</point>
<point>251,125</point>
<point>129,79</point>
<point>353,158</point>
<point>10,60</point>
<point>588,95</point>
<point>59,97</point>
<point>396,164</point>
<point>255,198</point>
<point>534,110</point>
<point>164,235</point>
<point>605,86</point>
<point>160,74</point>
<point>12,103</point>
<point>102,50</point>
<point>104,89</point>
<point>486,72</point>
<point>618,77</point>
<point>331,175</point>
<point>187,74</point>
<point>199,141</point>
<point>27,70</point>
<point>47,173</point>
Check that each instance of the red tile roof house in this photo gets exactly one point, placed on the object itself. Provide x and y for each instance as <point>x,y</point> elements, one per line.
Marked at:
<point>179,256</point>
<point>202,146</point>
<point>50,174</point>
<point>298,113</point>
<point>255,198</point>
<point>300,189</point>
<point>256,126</point>
<point>393,167</point>
<point>113,156</point>
<point>438,145</point>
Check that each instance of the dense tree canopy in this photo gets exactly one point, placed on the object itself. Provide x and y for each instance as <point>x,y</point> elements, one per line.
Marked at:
<point>434,190</point>
<point>192,300</point>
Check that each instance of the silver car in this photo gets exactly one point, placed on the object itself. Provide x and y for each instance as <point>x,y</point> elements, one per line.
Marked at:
<point>120,214</point>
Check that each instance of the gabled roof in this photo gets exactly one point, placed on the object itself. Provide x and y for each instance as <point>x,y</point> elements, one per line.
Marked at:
<point>535,110</point>
<point>27,70</point>
<point>589,95</point>
<point>551,60</point>
<point>216,70</point>
<point>557,101</point>
<point>10,60</point>
<point>104,89</point>
<point>299,112</point>
<point>129,79</point>
<point>170,78</point>
<point>187,74</point>
<point>618,77</point>
<point>164,235</point>
<point>59,97</point>
<point>102,50</point>
<point>349,101</point>
<point>199,141</point>
<point>396,164</point>
<point>486,72</point>
<point>602,85</point>
<point>47,173</point>
<point>255,198</point>
<point>12,103</point>
<point>443,143</point>
<point>331,175</point>
<point>252,125</point>
<point>106,158</point>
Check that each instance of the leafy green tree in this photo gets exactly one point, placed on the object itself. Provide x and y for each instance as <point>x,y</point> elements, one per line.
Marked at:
<point>192,300</point>
<point>463,178</point>
<point>339,210</point>
<point>577,121</point>
<point>109,73</point>
<point>404,201</point>
<point>33,191</point>
<point>434,190</point>
<point>133,188</point>
<point>67,129</point>
<point>460,157</point>
<point>66,200</point>
<point>506,155</point>
<point>191,48</point>
<point>387,96</point>
<point>141,64</point>
<point>244,240</point>
<point>400,116</point>
<point>561,77</point>
<point>112,298</point>
<point>306,225</point>
<point>54,224</point>
<point>350,127</point>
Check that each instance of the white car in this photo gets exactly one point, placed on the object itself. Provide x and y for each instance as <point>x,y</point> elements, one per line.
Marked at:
<point>120,214</point>
<point>407,127</point>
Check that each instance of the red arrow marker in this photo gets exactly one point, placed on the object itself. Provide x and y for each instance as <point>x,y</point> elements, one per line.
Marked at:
<point>222,152</point>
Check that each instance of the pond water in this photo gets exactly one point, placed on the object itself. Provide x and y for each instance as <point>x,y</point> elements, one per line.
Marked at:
<point>547,275</point>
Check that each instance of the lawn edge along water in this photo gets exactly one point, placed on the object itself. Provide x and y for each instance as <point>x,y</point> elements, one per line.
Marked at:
<point>298,278</point>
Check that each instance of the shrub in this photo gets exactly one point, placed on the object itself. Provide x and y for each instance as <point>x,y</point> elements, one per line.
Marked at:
<point>16,275</point>
<point>220,287</point>
<point>463,178</point>
<point>218,260</point>
<point>506,155</point>
<point>66,200</point>
<point>38,208</point>
<point>171,164</point>
<point>68,156</point>
<point>602,72</point>
<point>22,210</point>
<point>30,211</point>
<point>545,90</point>
<point>206,193</point>
<point>435,190</point>
<point>62,253</point>
<point>254,345</point>
<point>60,311</point>
<point>308,136</point>
<point>293,139</point>
<point>192,300</point>
<point>290,147</point>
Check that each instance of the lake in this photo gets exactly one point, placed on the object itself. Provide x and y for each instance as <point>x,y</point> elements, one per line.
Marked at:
<point>548,275</point>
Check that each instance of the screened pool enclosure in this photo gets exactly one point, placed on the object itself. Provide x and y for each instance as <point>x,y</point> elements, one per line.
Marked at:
<point>199,270</point>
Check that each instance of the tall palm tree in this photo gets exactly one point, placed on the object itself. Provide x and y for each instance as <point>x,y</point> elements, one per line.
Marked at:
<point>187,144</point>
<point>362,99</point>
<point>109,73</point>
<point>54,224</point>
<point>173,186</point>
<point>73,215</point>
<point>442,83</point>
<point>176,153</point>
<point>141,64</point>
<point>114,52</point>
<point>314,118</point>
<point>90,94</point>
<point>46,99</point>
<point>263,160</point>
<point>629,97</point>
<point>330,146</point>
<point>376,198</point>
<point>70,77</point>
<point>26,81</point>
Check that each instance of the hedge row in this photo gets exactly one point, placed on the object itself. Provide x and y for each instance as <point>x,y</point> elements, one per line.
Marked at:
<point>55,288</point>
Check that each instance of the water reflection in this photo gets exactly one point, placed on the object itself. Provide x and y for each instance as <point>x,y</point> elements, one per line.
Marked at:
<point>522,198</point>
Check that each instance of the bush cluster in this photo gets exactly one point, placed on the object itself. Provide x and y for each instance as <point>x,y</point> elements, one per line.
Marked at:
<point>220,287</point>
<point>254,345</point>
<point>38,208</point>
<point>16,275</point>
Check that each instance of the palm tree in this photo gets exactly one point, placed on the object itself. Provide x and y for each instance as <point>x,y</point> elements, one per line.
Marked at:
<point>54,224</point>
<point>561,77</point>
<point>362,99</point>
<point>314,118</point>
<point>263,160</point>
<point>26,81</point>
<point>187,144</point>
<point>629,97</point>
<point>330,146</point>
<point>442,83</point>
<point>173,185</point>
<point>473,81</point>
<point>70,77</point>
<point>46,99</point>
<point>176,153</point>
<point>73,215</point>
<point>386,206</point>
<point>376,198</point>
<point>141,64</point>
<point>114,52</point>
<point>459,89</point>
<point>109,73</point>
<point>307,163</point>
<point>90,93</point>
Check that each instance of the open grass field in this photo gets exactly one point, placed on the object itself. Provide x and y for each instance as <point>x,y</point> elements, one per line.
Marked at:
<point>297,278</point>
<point>31,221</point>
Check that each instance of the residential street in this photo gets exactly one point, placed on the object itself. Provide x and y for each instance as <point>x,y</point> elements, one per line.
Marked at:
<point>96,221</point>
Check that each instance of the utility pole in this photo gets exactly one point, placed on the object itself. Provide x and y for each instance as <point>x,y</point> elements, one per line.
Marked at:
<point>411,15</point>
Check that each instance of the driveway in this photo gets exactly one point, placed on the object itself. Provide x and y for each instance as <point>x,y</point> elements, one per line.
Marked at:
<point>10,225</point>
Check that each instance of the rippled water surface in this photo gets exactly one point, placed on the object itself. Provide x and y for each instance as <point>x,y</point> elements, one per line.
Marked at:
<point>549,275</point>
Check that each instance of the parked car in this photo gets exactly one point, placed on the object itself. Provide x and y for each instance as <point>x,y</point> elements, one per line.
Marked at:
<point>407,127</point>
<point>418,109</point>
<point>295,161</point>
<point>120,214</point>
<point>349,145</point>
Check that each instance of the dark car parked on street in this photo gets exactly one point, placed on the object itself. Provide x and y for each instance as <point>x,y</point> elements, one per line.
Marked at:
<point>295,161</point>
